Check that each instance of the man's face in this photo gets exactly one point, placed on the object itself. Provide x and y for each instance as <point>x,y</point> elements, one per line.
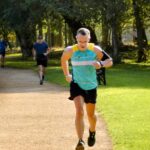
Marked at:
<point>40,40</point>
<point>82,41</point>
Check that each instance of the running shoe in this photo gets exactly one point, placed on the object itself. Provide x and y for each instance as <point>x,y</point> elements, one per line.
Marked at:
<point>41,82</point>
<point>80,145</point>
<point>91,138</point>
<point>43,77</point>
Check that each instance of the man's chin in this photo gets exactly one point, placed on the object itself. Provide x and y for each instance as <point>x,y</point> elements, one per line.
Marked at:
<point>82,48</point>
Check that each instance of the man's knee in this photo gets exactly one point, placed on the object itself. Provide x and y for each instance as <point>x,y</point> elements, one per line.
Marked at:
<point>79,112</point>
<point>91,115</point>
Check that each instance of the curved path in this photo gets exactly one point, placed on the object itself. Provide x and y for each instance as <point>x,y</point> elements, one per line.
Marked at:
<point>35,117</point>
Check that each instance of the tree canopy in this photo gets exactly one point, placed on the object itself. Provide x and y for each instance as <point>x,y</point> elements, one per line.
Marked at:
<point>24,17</point>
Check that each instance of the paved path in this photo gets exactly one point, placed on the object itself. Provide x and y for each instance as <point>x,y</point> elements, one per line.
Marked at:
<point>35,117</point>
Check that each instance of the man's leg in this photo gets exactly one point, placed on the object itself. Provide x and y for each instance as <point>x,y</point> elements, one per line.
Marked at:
<point>41,74</point>
<point>44,65</point>
<point>79,121</point>
<point>90,108</point>
<point>2,61</point>
<point>43,70</point>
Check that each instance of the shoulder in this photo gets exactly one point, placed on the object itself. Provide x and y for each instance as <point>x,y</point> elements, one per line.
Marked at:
<point>44,42</point>
<point>69,49</point>
<point>97,48</point>
<point>67,53</point>
<point>99,52</point>
<point>35,45</point>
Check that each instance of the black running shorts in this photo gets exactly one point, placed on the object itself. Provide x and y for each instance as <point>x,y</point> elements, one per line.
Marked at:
<point>42,60</point>
<point>88,95</point>
<point>2,53</point>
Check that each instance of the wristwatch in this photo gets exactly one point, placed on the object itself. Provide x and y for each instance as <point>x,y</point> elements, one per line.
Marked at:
<point>101,64</point>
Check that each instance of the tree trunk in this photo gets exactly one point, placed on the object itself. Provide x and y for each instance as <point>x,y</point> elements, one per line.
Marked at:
<point>26,37</point>
<point>49,33</point>
<point>40,28</point>
<point>93,35</point>
<point>120,43</point>
<point>141,35</point>
<point>134,33</point>
<point>52,39</point>
<point>105,33</point>
<point>65,32</point>
<point>70,37</point>
<point>60,35</point>
<point>75,25</point>
<point>115,44</point>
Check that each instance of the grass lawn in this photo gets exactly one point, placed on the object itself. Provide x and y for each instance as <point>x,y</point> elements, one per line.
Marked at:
<point>125,105</point>
<point>124,102</point>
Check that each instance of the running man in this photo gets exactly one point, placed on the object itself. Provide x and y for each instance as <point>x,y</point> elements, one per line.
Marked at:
<point>40,52</point>
<point>3,46</point>
<point>85,59</point>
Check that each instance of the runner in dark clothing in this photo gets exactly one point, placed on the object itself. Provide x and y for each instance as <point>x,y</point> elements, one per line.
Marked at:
<point>40,52</point>
<point>3,46</point>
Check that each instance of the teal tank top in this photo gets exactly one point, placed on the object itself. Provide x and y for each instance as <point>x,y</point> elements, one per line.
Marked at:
<point>84,74</point>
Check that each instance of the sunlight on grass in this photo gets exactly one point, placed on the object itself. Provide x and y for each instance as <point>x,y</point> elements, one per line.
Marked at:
<point>126,112</point>
<point>124,104</point>
<point>55,75</point>
<point>14,55</point>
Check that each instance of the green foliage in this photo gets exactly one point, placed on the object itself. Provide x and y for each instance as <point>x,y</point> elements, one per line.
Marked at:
<point>144,11</point>
<point>23,16</point>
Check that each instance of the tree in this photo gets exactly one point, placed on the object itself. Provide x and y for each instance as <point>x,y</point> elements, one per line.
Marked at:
<point>138,9</point>
<point>22,17</point>
<point>76,14</point>
<point>113,15</point>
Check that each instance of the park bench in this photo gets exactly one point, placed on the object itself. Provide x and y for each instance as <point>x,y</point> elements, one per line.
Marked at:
<point>101,78</point>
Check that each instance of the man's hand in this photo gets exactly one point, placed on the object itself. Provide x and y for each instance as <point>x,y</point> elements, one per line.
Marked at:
<point>68,78</point>
<point>97,65</point>
<point>45,54</point>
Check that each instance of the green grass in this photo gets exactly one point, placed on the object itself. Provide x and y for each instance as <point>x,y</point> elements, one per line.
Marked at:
<point>55,75</point>
<point>124,102</point>
<point>16,61</point>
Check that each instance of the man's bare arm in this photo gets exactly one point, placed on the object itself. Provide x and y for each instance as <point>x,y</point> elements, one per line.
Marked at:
<point>104,59</point>
<point>65,65</point>
<point>34,53</point>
